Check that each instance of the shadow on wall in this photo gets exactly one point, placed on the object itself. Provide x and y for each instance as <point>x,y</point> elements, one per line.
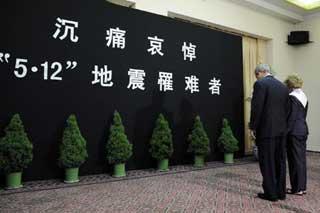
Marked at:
<point>181,131</point>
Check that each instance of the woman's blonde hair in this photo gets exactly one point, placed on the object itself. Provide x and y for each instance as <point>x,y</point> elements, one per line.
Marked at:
<point>293,81</point>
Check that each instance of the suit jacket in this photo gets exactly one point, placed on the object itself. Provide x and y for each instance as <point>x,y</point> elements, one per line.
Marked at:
<point>297,124</point>
<point>269,108</point>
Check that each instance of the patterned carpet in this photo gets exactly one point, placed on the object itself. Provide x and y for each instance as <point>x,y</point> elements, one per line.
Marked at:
<point>217,188</point>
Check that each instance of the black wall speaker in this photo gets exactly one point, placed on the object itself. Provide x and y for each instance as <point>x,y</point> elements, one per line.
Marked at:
<point>298,37</point>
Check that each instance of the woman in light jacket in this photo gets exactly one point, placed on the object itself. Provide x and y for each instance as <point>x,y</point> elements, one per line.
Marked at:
<point>297,136</point>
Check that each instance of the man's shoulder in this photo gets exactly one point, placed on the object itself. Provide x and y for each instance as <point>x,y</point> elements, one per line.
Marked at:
<point>271,80</point>
<point>263,81</point>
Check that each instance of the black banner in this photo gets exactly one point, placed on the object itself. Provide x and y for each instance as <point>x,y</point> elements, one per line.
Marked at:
<point>91,58</point>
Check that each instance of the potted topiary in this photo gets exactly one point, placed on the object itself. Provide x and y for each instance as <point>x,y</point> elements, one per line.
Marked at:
<point>161,143</point>
<point>227,142</point>
<point>199,143</point>
<point>15,152</point>
<point>73,151</point>
<point>118,148</point>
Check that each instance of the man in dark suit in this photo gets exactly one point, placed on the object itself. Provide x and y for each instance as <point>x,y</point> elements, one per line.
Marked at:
<point>268,125</point>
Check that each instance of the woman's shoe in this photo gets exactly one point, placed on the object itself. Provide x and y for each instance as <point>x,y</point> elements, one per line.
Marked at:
<point>299,193</point>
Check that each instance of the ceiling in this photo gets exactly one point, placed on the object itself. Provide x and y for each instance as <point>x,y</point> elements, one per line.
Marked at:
<point>292,8</point>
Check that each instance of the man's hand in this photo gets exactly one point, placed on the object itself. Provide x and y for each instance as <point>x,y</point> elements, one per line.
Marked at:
<point>252,134</point>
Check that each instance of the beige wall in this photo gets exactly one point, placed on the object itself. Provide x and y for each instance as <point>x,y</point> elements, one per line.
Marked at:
<point>307,63</point>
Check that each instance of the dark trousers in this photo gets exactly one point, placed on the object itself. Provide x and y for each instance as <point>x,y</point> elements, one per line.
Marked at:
<point>296,148</point>
<point>272,162</point>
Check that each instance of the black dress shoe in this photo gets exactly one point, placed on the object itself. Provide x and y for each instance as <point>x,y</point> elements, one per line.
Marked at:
<point>266,197</point>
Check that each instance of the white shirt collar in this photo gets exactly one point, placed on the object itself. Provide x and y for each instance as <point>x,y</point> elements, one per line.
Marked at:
<point>299,94</point>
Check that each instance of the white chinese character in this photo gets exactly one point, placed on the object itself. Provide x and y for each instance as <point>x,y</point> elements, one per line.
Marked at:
<point>192,83</point>
<point>215,86</point>
<point>165,81</point>
<point>136,79</point>
<point>156,45</point>
<point>189,51</point>
<point>102,76</point>
<point>68,28</point>
<point>116,37</point>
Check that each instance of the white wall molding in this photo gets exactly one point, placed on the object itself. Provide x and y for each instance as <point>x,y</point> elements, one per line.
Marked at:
<point>311,16</point>
<point>271,9</point>
<point>207,24</point>
<point>125,3</point>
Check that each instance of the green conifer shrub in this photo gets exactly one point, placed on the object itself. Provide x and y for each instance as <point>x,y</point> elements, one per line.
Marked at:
<point>227,142</point>
<point>118,148</point>
<point>73,151</point>
<point>199,141</point>
<point>15,147</point>
<point>161,140</point>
